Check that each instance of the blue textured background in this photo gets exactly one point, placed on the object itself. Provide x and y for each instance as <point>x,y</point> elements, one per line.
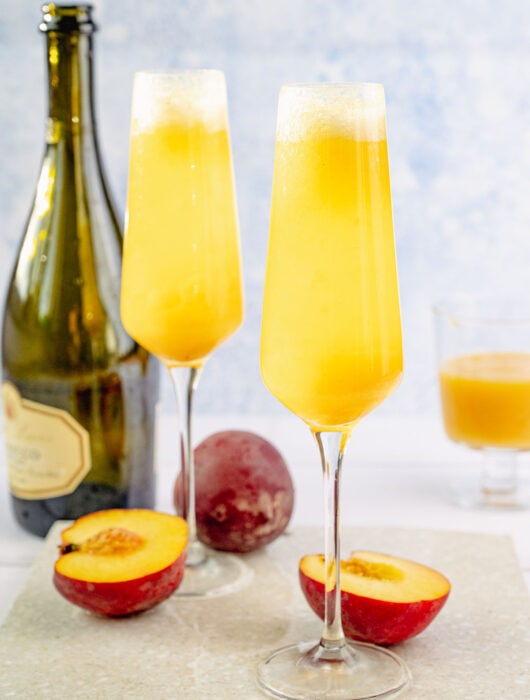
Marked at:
<point>457,81</point>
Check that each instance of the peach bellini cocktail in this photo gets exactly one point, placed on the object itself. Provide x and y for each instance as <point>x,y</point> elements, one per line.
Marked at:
<point>181,283</point>
<point>331,347</point>
<point>332,294</point>
<point>181,280</point>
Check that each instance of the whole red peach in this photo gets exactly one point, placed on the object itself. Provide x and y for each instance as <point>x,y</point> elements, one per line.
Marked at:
<point>243,491</point>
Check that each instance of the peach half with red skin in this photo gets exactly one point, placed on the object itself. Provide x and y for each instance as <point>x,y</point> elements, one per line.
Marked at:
<point>384,599</point>
<point>121,561</point>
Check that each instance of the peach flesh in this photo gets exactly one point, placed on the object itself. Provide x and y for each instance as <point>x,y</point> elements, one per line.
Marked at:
<point>121,562</point>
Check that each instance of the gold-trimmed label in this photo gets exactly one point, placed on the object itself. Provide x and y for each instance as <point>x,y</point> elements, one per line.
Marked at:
<point>48,451</point>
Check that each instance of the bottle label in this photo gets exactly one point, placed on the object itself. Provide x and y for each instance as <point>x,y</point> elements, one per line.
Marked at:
<point>48,451</point>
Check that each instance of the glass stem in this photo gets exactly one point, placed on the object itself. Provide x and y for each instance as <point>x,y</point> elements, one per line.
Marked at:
<point>332,446</point>
<point>185,380</point>
<point>499,474</point>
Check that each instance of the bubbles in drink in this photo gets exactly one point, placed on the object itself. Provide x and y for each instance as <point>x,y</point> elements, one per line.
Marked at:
<point>188,97</point>
<point>346,111</point>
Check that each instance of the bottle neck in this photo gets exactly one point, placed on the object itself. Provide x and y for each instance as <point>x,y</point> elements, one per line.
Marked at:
<point>70,86</point>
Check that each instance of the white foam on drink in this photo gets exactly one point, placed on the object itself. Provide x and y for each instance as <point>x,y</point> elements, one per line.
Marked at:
<point>354,111</point>
<point>186,97</point>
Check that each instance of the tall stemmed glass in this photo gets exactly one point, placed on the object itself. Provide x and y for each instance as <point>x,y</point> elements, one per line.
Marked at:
<point>181,282</point>
<point>331,334</point>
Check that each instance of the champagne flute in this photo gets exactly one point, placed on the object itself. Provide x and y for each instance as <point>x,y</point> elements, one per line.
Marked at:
<point>484,379</point>
<point>331,346</point>
<point>181,282</point>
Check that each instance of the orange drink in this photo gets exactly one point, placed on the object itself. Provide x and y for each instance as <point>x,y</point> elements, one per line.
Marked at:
<point>486,399</point>
<point>331,330</point>
<point>181,288</point>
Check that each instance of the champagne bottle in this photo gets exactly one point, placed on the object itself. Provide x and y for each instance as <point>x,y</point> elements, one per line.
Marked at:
<point>79,394</point>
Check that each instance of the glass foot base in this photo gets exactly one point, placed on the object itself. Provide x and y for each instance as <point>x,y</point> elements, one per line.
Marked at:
<point>219,574</point>
<point>361,671</point>
<point>468,493</point>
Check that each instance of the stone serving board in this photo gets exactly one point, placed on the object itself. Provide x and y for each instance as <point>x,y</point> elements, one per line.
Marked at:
<point>197,649</point>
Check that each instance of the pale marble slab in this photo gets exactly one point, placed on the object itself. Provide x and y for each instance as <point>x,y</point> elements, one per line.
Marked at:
<point>478,646</point>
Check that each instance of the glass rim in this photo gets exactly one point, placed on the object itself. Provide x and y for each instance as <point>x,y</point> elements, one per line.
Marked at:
<point>65,19</point>
<point>182,72</point>
<point>331,84</point>
<point>368,89</point>
<point>482,310</point>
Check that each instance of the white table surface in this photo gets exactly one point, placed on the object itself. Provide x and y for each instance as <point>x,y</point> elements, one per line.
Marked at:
<point>397,472</point>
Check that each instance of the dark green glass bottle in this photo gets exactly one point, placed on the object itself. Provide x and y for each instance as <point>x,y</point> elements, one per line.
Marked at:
<point>79,394</point>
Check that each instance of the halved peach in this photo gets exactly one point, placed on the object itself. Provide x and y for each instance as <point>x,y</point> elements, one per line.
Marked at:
<point>121,561</point>
<point>384,599</point>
